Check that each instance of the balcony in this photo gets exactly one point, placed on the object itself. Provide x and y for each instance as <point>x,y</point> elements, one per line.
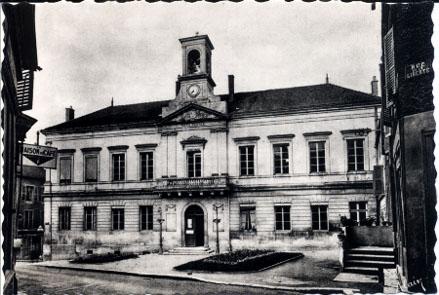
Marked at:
<point>195,184</point>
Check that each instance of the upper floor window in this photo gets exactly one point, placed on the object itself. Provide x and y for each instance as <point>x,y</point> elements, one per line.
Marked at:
<point>146,217</point>
<point>118,165</point>
<point>65,169</point>
<point>64,214</point>
<point>355,148</point>
<point>146,165</point>
<point>91,168</point>
<point>27,219</point>
<point>281,158</point>
<point>319,217</point>
<point>117,218</point>
<point>90,218</point>
<point>317,156</point>
<point>282,217</point>
<point>247,160</point>
<point>358,211</point>
<point>194,163</point>
<point>28,192</point>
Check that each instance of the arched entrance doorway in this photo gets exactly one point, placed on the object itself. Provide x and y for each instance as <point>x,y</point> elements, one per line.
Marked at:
<point>194,226</point>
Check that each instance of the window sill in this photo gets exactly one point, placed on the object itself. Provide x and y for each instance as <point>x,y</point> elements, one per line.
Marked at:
<point>282,175</point>
<point>318,173</point>
<point>320,230</point>
<point>282,231</point>
<point>146,230</point>
<point>91,230</point>
<point>247,176</point>
<point>357,172</point>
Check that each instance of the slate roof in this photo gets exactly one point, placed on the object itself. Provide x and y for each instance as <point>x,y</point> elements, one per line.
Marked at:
<point>296,99</point>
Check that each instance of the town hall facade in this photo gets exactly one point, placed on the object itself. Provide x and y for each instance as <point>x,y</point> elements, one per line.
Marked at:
<point>241,169</point>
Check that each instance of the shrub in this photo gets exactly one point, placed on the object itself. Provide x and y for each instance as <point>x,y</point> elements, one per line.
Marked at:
<point>102,258</point>
<point>347,221</point>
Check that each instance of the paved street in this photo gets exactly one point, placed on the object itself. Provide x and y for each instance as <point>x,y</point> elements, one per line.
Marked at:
<point>33,280</point>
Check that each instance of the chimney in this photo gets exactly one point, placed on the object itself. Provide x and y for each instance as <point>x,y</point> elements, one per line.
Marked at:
<point>70,114</point>
<point>374,86</point>
<point>231,88</point>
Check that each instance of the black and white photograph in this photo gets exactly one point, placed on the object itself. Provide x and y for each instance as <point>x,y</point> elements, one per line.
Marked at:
<point>172,147</point>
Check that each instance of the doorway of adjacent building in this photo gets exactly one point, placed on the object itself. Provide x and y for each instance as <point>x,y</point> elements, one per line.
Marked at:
<point>194,226</point>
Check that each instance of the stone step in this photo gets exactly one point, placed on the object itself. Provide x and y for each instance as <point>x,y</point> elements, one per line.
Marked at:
<point>370,257</point>
<point>370,263</point>
<point>190,251</point>
<point>361,270</point>
<point>371,251</point>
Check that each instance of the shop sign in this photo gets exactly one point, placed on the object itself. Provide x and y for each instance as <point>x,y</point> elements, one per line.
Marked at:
<point>43,156</point>
<point>417,69</point>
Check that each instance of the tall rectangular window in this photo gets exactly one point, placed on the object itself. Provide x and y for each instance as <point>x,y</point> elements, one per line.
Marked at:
<point>91,168</point>
<point>27,219</point>
<point>358,211</point>
<point>65,167</point>
<point>64,218</point>
<point>281,159</point>
<point>317,156</point>
<point>355,154</point>
<point>247,160</point>
<point>118,161</point>
<point>282,217</point>
<point>117,218</point>
<point>319,217</point>
<point>194,163</point>
<point>29,193</point>
<point>146,165</point>
<point>248,218</point>
<point>90,218</point>
<point>146,217</point>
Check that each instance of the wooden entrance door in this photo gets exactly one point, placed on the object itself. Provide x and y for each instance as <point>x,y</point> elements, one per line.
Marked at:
<point>194,226</point>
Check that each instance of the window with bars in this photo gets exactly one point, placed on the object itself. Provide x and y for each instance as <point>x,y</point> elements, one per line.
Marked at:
<point>281,158</point>
<point>146,165</point>
<point>64,214</point>
<point>146,217</point>
<point>65,168</point>
<point>117,218</point>
<point>317,156</point>
<point>248,218</point>
<point>355,154</point>
<point>319,217</point>
<point>118,160</point>
<point>358,211</point>
<point>90,218</point>
<point>28,219</point>
<point>194,164</point>
<point>91,168</point>
<point>247,160</point>
<point>282,214</point>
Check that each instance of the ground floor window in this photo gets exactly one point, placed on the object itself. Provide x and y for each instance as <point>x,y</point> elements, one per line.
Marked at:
<point>248,218</point>
<point>319,216</point>
<point>28,219</point>
<point>358,211</point>
<point>146,217</point>
<point>117,218</point>
<point>282,217</point>
<point>90,218</point>
<point>64,218</point>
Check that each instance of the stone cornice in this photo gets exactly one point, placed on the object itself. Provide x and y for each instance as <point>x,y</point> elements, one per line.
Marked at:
<point>358,132</point>
<point>281,136</point>
<point>319,133</point>
<point>91,149</point>
<point>248,138</point>
<point>117,147</point>
<point>146,146</point>
<point>66,151</point>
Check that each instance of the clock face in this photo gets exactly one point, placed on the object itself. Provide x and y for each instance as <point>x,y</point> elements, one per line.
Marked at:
<point>193,90</point>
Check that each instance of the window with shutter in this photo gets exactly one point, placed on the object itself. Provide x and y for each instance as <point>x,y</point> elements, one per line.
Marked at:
<point>389,65</point>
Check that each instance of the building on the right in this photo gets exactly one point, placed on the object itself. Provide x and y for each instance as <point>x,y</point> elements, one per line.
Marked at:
<point>407,140</point>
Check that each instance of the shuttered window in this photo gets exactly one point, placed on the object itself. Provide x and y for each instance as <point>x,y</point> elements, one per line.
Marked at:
<point>118,167</point>
<point>64,218</point>
<point>194,164</point>
<point>280,156</point>
<point>90,218</point>
<point>146,165</point>
<point>117,218</point>
<point>146,217</point>
<point>282,217</point>
<point>389,64</point>
<point>319,216</point>
<point>355,154</point>
<point>317,156</point>
<point>247,160</point>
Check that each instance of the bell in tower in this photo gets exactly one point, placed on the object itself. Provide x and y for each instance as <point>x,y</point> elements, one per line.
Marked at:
<point>196,80</point>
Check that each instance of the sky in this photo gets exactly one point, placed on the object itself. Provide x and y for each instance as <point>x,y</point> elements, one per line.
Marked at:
<point>91,53</point>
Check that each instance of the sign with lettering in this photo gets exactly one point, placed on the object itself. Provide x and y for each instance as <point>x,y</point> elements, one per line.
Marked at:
<point>43,156</point>
<point>417,69</point>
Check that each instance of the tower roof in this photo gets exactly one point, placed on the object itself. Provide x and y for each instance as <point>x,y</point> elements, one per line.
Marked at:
<point>198,37</point>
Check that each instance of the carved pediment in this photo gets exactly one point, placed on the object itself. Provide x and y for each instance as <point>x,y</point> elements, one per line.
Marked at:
<point>192,113</point>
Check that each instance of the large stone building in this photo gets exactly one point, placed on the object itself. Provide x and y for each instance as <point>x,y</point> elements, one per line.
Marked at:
<point>272,165</point>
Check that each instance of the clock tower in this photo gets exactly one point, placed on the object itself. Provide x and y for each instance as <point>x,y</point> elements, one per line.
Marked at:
<point>196,80</point>
<point>195,84</point>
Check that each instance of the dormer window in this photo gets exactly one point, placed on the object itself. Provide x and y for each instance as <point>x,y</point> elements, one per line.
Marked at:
<point>194,62</point>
